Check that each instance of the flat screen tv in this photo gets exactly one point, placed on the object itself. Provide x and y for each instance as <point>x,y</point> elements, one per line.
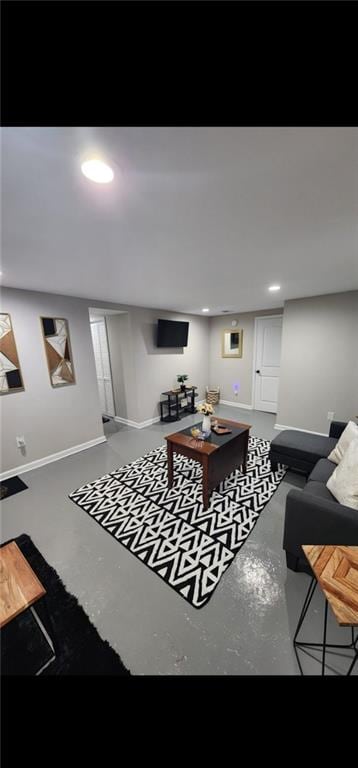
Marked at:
<point>172,333</point>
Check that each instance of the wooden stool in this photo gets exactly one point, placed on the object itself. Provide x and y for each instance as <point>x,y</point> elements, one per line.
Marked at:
<point>335,569</point>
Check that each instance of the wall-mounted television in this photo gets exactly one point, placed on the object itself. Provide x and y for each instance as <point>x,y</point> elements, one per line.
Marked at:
<point>172,333</point>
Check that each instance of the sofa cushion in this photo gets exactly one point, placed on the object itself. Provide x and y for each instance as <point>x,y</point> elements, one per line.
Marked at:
<point>343,483</point>
<point>318,489</point>
<point>349,433</point>
<point>322,471</point>
<point>303,445</point>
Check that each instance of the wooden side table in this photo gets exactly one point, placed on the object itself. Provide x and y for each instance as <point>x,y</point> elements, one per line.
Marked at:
<point>335,569</point>
<point>19,590</point>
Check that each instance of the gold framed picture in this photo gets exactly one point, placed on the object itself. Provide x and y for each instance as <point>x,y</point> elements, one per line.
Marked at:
<point>232,341</point>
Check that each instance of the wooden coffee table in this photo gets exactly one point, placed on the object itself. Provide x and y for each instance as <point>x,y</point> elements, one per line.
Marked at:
<point>335,569</point>
<point>19,590</point>
<point>218,455</point>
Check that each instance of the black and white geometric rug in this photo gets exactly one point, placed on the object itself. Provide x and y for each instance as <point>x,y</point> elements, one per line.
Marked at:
<point>187,546</point>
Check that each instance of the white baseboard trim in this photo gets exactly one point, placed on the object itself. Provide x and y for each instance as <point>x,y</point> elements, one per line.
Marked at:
<point>137,424</point>
<point>52,457</point>
<point>236,405</point>
<point>146,423</point>
<point>298,429</point>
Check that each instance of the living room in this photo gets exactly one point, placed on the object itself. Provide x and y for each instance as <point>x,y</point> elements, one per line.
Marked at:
<point>243,239</point>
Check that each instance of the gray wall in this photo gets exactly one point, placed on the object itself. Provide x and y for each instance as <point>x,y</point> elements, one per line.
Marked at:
<point>54,420</point>
<point>51,420</point>
<point>157,368</point>
<point>319,364</point>
<point>141,370</point>
<point>319,370</point>
<point>225,372</point>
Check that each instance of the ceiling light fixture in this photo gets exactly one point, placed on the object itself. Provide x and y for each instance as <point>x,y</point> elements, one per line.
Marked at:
<point>205,309</point>
<point>274,287</point>
<point>97,171</point>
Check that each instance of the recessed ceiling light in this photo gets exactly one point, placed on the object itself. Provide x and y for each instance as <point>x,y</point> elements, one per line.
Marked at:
<point>274,287</point>
<point>205,309</point>
<point>97,171</point>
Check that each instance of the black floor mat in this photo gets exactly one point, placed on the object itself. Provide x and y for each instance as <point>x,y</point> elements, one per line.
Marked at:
<point>79,648</point>
<point>10,486</point>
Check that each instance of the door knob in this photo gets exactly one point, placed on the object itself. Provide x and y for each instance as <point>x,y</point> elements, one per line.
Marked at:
<point>258,371</point>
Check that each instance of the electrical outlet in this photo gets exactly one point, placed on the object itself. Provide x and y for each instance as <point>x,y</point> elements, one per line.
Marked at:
<point>20,441</point>
<point>330,415</point>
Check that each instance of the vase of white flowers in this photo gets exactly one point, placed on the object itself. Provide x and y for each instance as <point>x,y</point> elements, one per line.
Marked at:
<point>207,410</point>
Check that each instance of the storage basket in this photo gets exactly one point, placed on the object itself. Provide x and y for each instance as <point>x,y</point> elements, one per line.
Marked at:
<point>212,395</point>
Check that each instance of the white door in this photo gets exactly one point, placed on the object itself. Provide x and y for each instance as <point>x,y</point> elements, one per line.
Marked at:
<point>103,368</point>
<point>267,363</point>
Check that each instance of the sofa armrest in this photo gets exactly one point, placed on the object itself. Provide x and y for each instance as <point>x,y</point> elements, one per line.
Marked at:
<point>313,520</point>
<point>336,428</point>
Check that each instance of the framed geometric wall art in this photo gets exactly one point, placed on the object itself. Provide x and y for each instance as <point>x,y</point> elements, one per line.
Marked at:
<point>58,351</point>
<point>10,371</point>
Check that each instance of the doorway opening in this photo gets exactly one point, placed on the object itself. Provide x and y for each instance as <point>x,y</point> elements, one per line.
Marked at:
<point>266,363</point>
<point>108,349</point>
<point>102,363</point>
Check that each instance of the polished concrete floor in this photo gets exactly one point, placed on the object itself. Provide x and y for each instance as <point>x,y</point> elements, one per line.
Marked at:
<point>248,625</point>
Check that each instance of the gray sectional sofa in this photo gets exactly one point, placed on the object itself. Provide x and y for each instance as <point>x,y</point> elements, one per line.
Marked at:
<point>312,516</point>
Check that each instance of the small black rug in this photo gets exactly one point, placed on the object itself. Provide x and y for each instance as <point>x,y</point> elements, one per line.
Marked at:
<point>10,486</point>
<point>79,648</point>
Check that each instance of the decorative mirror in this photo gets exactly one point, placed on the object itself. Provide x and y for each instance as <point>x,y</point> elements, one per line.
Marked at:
<point>232,343</point>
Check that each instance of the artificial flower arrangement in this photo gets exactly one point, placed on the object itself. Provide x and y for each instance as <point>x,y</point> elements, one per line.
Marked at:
<point>205,408</point>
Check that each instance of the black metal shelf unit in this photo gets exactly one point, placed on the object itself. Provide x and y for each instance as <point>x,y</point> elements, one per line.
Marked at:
<point>172,404</point>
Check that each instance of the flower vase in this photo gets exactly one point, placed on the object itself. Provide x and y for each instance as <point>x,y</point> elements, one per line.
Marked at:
<point>206,425</point>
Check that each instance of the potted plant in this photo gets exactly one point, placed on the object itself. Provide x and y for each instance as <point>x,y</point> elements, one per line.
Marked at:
<point>207,410</point>
<point>182,378</point>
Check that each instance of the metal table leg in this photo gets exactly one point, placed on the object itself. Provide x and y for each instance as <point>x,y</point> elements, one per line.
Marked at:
<point>324,645</point>
<point>46,636</point>
<point>324,637</point>
<point>354,644</point>
<point>306,605</point>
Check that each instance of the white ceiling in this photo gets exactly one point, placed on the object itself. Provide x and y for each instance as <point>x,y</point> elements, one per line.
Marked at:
<point>195,216</point>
